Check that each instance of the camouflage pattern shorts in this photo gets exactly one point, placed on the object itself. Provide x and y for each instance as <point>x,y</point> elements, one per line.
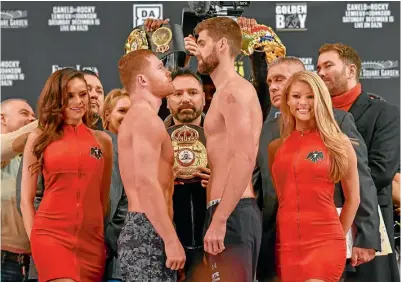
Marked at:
<point>141,251</point>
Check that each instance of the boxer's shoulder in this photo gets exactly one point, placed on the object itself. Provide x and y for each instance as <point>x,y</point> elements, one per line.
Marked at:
<point>238,92</point>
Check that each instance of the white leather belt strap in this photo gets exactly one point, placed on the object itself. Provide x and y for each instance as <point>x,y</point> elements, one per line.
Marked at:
<point>212,203</point>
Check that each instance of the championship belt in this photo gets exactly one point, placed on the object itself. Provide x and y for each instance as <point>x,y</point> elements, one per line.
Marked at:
<point>264,39</point>
<point>164,41</point>
<point>189,145</point>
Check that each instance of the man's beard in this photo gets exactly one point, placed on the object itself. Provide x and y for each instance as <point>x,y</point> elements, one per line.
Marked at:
<point>94,108</point>
<point>187,116</point>
<point>208,64</point>
<point>338,84</point>
<point>95,115</point>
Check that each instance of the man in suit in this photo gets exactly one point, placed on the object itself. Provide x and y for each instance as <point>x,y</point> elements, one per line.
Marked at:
<point>96,95</point>
<point>189,199</point>
<point>366,220</point>
<point>378,122</point>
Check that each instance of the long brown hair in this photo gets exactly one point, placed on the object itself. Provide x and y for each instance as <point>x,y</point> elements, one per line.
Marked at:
<point>325,122</point>
<point>51,104</point>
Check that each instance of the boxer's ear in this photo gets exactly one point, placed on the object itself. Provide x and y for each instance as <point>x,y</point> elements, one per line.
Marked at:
<point>3,120</point>
<point>141,79</point>
<point>222,44</point>
<point>351,71</point>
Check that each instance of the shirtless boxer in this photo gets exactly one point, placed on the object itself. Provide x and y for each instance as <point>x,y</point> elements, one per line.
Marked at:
<point>232,128</point>
<point>146,162</point>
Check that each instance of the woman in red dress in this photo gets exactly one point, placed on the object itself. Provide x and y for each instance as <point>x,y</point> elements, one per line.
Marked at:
<point>66,233</point>
<point>309,158</point>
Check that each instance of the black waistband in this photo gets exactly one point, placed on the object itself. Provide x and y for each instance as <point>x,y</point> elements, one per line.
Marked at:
<point>242,202</point>
<point>22,259</point>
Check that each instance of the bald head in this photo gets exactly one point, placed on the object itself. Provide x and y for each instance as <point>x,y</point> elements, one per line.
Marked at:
<point>15,113</point>
<point>280,70</point>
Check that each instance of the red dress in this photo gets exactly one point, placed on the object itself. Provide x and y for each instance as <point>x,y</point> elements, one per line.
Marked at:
<point>67,236</point>
<point>310,239</point>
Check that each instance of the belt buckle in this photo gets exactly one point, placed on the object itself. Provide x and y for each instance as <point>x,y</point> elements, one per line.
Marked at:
<point>190,153</point>
<point>21,262</point>
<point>162,38</point>
<point>20,259</point>
<point>212,203</point>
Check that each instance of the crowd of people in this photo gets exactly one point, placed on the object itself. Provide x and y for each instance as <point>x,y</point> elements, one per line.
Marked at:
<point>296,191</point>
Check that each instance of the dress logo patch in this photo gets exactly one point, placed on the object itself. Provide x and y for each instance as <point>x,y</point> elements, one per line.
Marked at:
<point>96,153</point>
<point>315,156</point>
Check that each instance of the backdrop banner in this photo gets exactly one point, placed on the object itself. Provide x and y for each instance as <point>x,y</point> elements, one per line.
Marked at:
<point>39,38</point>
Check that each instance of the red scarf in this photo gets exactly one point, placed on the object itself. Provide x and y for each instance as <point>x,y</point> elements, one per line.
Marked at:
<point>345,101</point>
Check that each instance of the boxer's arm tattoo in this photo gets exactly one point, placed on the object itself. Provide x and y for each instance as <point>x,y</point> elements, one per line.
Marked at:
<point>231,99</point>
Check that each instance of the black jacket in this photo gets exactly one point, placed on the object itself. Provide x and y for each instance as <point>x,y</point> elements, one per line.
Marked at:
<point>118,211</point>
<point>259,72</point>
<point>189,205</point>
<point>379,124</point>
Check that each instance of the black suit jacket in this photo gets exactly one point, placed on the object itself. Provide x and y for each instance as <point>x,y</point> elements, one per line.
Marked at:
<point>259,72</point>
<point>118,211</point>
<point>379,124</point>
<point>366,219</point>
<point>118,201</point>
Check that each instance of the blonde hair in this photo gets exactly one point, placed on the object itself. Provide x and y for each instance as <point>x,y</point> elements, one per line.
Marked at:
<point>110,102</point>
<point>326,124</point>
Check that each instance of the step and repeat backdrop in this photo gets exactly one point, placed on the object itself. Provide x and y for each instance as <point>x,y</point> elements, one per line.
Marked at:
<point>38,38</point>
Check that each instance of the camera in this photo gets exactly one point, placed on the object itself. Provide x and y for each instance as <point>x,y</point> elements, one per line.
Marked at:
<point>201,10</point>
